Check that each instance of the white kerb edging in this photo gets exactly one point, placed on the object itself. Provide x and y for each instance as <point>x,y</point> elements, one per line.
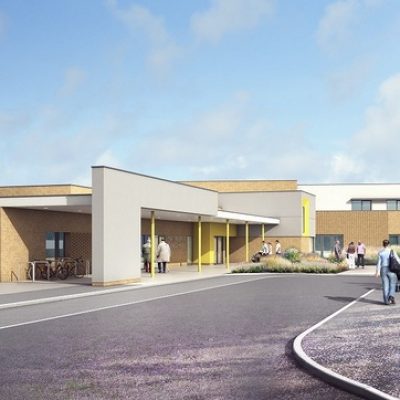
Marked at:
<point>330,376</point>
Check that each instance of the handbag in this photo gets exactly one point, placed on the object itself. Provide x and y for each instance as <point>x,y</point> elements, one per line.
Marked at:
<point>394,265</point>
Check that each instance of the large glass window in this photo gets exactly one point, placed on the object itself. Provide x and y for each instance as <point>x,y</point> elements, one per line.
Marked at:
<point>394,239</point>
<point>55,244</point>
<point>393,205</point>
<point>361,205</point>
<point>327,242</point>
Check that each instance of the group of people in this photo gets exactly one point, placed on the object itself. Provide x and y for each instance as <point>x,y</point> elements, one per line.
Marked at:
<point>266,250</point>
<point>355,254</point>
<point>163,255</point>
<point>389,279</point>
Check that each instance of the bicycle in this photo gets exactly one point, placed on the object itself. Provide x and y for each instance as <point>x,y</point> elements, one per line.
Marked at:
<point>72,267</point>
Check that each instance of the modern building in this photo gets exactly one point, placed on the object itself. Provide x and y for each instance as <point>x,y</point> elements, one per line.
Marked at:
<point>205,222</point>
<point>107,223</point>
<point>352,212</point>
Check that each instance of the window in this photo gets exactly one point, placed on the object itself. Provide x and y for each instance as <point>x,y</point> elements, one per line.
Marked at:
<point>394,239</point>
<point>361,205</point>
<point>54,244</point>
<point>392,205</point>
<point>327,242</point>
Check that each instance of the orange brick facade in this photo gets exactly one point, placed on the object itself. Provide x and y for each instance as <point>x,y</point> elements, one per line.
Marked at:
<point>176,235</point>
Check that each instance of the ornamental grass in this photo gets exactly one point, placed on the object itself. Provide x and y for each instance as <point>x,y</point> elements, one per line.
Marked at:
<point>300,263</point>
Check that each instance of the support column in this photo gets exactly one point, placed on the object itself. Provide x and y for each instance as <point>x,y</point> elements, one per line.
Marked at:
<point>227,250</point>
<point>199,243</point>
<point>263,232</point>
<point>153,244</point>
<point>247,241</point>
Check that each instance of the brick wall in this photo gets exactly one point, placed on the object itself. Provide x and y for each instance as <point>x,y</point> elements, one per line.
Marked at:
<point>245,186</point>
<point>371,227</point>
<point>175,234</point>
<point>78,245</point>
<point>49,190</point>
<point>238,246</point>
<point>23,233</point>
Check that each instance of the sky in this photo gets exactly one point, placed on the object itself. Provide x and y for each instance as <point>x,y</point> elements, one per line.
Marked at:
<point>200,89</point>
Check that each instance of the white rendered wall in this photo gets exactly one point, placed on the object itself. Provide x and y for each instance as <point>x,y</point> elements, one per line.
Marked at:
<point>117,199</point>
<point>337,197</point>
<point>285,205</point>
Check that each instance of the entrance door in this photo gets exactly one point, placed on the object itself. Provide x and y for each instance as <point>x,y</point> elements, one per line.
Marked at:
<point>219,249</point>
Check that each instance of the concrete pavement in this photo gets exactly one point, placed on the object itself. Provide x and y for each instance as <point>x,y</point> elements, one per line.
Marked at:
<point>356,348</point>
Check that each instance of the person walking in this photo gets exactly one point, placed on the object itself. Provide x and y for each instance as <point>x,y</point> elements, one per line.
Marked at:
<point>351,255</point>
<point>146,253</point>
<point>361,250</point>
<point>337,250</point>
<point>388,278</point>
<point>278,248</point>
<point>163,256</point>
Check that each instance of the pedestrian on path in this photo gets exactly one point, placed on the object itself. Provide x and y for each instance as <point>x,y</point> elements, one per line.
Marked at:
<point>389,279</point>
<point>351,255</point>
<point>146,253</point>
<point>163,256</point>
<point>361,250</point>
<point>337,250</point>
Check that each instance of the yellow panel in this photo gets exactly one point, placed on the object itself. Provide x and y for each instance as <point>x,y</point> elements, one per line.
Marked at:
<point>306,216</point>
<point>208,231</point>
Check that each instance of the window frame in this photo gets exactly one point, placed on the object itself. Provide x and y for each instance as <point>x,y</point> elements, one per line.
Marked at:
<point>361,205</point>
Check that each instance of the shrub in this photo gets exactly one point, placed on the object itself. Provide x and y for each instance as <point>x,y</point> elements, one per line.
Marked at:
<point>292,254</point>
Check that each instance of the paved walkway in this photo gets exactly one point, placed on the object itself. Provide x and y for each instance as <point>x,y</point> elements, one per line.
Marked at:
<point>357,349</point>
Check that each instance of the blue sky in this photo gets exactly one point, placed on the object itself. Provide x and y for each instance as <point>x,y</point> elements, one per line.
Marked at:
<point>200,89</point>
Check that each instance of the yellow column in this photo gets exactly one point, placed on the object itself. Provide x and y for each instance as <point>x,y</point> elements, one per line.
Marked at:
<point>153,243</point>
<point>199,243</point>
<point>247,241</point>
<point>263,232</point>
<point>227,245</point>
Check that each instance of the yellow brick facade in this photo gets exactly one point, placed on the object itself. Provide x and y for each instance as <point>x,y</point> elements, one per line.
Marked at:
<point>238,246</point>
<point>371,227</point>
<point>50,190</point>
<point>245,185</point>
<point>23,234</point>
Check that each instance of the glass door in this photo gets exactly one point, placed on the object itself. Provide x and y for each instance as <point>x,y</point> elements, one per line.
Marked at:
<point>219,249</point>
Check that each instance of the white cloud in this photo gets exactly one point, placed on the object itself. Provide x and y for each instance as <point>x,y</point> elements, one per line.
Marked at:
<point>163,49</point>
<point>372,153</point>
<point>49,148</point>
<point>335,24</point>
<point>226,16</point>
<point>348,82</point>
<point>229,141</point>
<point>74,78</point>
<point>339,19</point>
<point>12,123</point>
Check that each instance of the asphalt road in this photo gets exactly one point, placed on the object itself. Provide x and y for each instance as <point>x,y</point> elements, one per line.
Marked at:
<point>222,338</point>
